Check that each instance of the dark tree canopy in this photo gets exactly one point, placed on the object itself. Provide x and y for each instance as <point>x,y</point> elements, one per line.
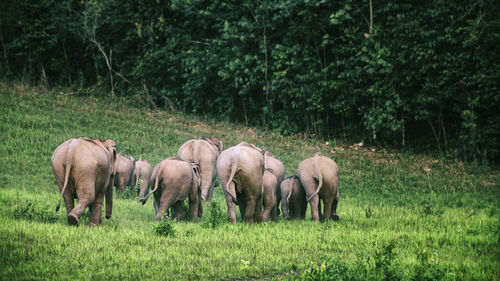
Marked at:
<point>426,75</point>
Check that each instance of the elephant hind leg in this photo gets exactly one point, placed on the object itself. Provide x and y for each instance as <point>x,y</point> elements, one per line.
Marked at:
<point>334,216</point>
<point>166,201</point>
<point>179,210</point>
<point>96,211</point>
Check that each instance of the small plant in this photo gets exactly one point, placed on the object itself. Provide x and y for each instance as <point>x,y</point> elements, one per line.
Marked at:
<point>128,193</point>
<point>244,264</point>
<point>215,216</point>
<point>28,210</point>
<point>165,227</point>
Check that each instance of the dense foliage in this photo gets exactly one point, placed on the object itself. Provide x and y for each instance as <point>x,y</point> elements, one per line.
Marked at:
<point>426,75</point>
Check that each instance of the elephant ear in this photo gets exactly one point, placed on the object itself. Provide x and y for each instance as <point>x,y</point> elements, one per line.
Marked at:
<point>110,145</point>
<point>217,142</point>
<point>196,172</point>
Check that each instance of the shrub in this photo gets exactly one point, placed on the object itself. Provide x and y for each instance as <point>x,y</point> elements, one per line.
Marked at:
<point>216,216</point>
<point>165,227</point>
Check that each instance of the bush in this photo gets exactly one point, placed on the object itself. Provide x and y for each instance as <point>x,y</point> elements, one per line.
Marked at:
<point>216,216</point>
<point>165,227</point>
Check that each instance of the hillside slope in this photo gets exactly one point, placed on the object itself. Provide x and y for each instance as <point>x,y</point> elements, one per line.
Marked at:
<point>432,214</point>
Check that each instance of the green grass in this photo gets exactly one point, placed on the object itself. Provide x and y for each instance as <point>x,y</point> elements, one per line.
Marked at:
<point>414,205</point>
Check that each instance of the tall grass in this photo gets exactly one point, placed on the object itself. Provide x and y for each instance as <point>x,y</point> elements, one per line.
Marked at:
<point>411,216</point>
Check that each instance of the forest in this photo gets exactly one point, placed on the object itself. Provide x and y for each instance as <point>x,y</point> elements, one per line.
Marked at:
<point>417,75</point>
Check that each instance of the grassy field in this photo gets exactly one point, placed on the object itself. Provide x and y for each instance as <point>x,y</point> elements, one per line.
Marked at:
<point>402,216</point>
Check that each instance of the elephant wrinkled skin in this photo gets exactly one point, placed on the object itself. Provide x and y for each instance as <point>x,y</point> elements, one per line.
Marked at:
<point>320,179</point>
<point>84,169</point>
<point>241,169</point>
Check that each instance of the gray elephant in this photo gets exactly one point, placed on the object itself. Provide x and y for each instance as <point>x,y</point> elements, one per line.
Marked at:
<point>204,151</point>
<point>84,169</point>
<point>143,171</point>
<point>174,181</point>
<point>124,172</point>
<point>278,169</point>
<point>270,185</point>
<point>319,176</point>
<point>293,202</point>
<point>241,169</point>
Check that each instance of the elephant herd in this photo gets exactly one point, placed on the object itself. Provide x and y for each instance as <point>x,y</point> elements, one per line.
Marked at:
<point>250,177</point>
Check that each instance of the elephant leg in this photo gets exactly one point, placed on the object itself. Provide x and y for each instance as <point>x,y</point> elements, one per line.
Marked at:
<point>242,203</point>
<point>268,209</point>
<point>274,212</point>
<point>200,204</point>
<point>86,195</point>
<point>210,193</point>
<point>96,211</point>
<point>231,215</point>
<point>156,202</point>
<point>193,206</point>
<point>257,212</point>
<point>165,203</point>
<point>179,210</point>
<point>314,202</point>
<point>328,208</point>
<point>320,209</point>
<point>69,201</point>
<point>251,208</point>
<point>334,216</point>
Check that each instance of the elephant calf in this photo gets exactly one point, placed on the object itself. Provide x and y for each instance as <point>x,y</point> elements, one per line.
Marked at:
<point>319,176</point>
<point>143,171</point>
<point>84,170</point>
<point>293,198</point>
<point>124,172</point>
<point>174,181</point>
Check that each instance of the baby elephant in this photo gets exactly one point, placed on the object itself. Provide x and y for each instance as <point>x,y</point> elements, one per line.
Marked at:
<point>270,185</point>
<point>143,171</point>
<point>124,172</point>
<point>293,198</point>
<point>175,180</point>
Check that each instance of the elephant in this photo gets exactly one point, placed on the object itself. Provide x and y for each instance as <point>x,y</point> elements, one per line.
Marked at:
<point>174,181</point>
<point>241,169</point>
<point>124,172</point>
<point>278,169</point>
<point>84,169</point>
<point>270,185</point>
<point>143,171</point>
<point>319,176</point>
<point>204,151</point>
<point>294,203</point>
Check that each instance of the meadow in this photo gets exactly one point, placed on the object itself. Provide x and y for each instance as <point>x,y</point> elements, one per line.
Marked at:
<point>403,215</point>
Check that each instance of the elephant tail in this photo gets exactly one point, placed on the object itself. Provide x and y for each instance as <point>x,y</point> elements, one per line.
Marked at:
<point>157,181</point>
<point>67,170</point>
<point>318,173</point>
<point>232,192</point>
